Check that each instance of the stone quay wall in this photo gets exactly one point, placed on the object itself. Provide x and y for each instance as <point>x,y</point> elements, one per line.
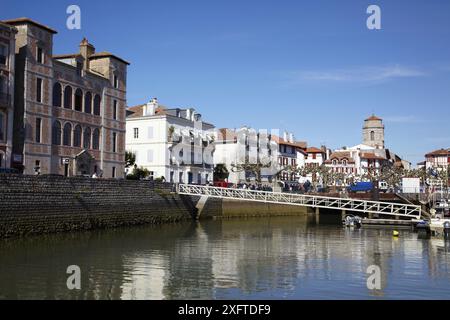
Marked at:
<point>49,204</point>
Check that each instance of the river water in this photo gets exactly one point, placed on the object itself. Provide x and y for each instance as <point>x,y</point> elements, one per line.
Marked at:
<point>267,258</point>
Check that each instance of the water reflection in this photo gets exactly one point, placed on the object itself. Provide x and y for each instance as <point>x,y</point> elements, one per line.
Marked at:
<point>271,258</point>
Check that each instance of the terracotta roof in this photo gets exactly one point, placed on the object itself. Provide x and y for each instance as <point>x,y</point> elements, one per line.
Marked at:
<point>105,54</point>
<point>138,111</point>
<point>440,152</point>
<point>297,144</point>
<point>373,118</point>
<point>66,56</point>
<point>23,20</point>
<point>314,150</point>
<point>340,155</point>
<point>371,156</point>
<point>5,25</point>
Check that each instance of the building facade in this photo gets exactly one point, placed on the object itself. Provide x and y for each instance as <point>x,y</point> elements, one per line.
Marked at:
<point>247,153</point>
<point>69,109</point>
<point>7,67</point>
<point>438,159</point>
<point>291,157</point>
<point>172,143</point>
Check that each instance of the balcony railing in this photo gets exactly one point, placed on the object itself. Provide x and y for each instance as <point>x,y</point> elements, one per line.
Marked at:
<point>4,99</point>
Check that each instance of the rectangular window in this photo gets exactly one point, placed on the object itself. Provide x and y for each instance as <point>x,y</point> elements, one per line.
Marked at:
<point>113,172</point>
<point>3,54</point>
<point>2,85</point>
<point>114,142</point>
<point>116,81</point>
<point>115,110</point>
<point>40,55</point>
<point>79,69</point>
<point>39,90</point>
<point>150,156</point>
<point>314,156</point>
<point>37,167</point>
<point>150,133</point>
<point>38,130</point>
<point>171,177</point>
<point>136,133</point>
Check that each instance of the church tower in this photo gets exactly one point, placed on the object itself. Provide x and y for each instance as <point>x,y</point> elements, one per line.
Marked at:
<point>373,132</point>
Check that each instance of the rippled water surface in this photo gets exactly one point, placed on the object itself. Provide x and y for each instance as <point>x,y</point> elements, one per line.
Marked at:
<point>269,258</point>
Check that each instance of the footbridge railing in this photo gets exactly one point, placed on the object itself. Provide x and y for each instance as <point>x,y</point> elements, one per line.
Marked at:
<point>312,201</point>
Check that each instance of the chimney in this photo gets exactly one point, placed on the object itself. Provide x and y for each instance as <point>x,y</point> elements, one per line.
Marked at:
<point>150,107</point>
<point>291,137</point>
<point>285,136</point>
<point>86,50</point>
<point>190,114</point>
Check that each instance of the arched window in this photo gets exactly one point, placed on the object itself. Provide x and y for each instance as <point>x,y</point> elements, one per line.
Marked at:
<point>372,135</point>
<point>67,134</point>
<point>87,138</point>
<point>344,162</point>
<point>97,101</point>
<point>96,139</point>
<point>56,133</point>
<point>88,102</point>
<point>57,94</point>
<point>77,136</point>
<point>334,162</point>
<point>68,97</point>
<point>78,100</point>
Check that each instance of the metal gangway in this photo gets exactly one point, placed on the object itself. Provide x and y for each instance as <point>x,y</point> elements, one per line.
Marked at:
<point>312,201</point>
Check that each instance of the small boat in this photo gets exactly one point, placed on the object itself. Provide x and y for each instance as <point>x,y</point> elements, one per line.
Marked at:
<point>352,221</point>
<point>437,227</point>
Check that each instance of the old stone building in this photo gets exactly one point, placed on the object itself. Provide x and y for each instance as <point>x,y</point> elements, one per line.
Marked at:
<point>7,54</point>
<point>373,132</point>
<point>69,109</point>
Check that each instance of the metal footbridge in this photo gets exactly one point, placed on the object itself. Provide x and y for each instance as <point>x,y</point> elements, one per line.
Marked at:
<point>312,201</point>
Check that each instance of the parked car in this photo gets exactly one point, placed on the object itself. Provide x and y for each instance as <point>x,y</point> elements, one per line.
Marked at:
<point>221,184</point>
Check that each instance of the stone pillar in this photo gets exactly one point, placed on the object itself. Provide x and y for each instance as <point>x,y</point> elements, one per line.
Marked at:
<point>343,214</point>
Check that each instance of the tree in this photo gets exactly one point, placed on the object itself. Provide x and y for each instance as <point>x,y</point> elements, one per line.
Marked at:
<point>221,172</point>
<point>171,131</point>
<point>392,175</point>
<point>138,173</point>
<point>130,159</point>
<point>250,168</point>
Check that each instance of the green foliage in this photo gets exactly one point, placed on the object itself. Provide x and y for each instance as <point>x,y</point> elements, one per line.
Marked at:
<point>130,159</point>
<point>221,172</point>
<point>138,174</point>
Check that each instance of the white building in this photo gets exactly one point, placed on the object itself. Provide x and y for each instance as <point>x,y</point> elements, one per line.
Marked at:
<point>291,156</point>
<point>171,143</point>
<point>246,147</point>
<point>438,159</point>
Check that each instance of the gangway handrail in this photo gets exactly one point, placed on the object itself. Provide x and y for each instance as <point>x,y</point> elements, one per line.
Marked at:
<point>358,205</point>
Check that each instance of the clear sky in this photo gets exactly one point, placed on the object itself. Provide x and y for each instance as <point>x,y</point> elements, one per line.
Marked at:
<point>310,67</point>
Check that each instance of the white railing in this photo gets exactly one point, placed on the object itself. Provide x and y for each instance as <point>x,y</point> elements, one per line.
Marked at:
<point>376,207</point>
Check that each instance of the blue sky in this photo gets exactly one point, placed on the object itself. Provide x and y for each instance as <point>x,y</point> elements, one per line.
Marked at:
<point>310,67</point>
